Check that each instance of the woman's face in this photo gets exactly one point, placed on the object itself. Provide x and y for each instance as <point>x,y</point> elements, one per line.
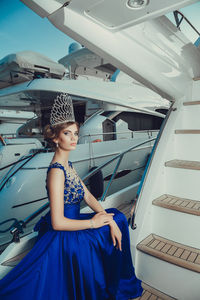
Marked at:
<point>67,138</point>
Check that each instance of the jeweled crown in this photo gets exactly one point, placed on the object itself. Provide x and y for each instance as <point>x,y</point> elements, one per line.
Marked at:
<point>62,110</point>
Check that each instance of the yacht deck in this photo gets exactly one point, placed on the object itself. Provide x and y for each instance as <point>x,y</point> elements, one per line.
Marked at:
<point>150,293</point>
<point>125,208</point>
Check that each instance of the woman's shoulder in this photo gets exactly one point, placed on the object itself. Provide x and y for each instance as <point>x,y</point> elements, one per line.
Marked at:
<point>58,165</point>
<point>55,165</point>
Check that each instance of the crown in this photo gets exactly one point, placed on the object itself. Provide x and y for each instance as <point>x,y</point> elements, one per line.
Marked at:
<point>62,110</point>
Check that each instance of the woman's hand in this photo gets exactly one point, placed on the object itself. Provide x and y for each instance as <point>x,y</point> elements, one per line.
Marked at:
<point>116,235</point>
<point>101,219</point>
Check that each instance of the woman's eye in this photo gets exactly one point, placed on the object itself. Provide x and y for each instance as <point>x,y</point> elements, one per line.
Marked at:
<point>66,133</point>
<point>76,133</point>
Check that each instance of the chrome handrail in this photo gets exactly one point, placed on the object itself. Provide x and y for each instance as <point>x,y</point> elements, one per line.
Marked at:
<point>15,162</point>
<point>178,22</point>
<point>86,177</point>
<point>147,169</point>
<point>116,133</point>
<point>27,158</point>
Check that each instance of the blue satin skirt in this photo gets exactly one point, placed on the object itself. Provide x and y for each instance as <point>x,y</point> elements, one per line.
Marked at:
<point>74,265</point>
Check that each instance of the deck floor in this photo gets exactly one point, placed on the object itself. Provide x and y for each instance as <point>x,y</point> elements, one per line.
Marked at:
<point>150,293</point>
<point>125,208</point>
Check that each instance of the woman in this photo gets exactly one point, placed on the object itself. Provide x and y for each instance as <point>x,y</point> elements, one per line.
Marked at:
<point>77,256</point>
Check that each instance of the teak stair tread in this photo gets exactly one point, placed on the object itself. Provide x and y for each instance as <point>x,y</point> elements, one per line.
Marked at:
<point>191,103</point>
<point>183,164</point>
<point>172,252</point>
<point>125,208</point>
<point>187,131</point>
<point>150,293</point>
<point>179,204</point>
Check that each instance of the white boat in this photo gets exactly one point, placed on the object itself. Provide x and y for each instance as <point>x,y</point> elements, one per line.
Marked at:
<point>11,120</point>
<point>165,242</point>
<point>103,134</point>
<point>24,184</point>
<point>15,69</point>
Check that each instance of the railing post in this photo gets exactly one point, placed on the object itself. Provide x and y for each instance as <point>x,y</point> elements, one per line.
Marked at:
<point>111,179</point>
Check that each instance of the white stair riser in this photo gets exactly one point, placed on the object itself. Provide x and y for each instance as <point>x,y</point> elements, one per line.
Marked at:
<point>183,283</point>
<point>189,119</point>
<point>182,183</point>
<point>196,90</point>
<point>186,146</point>
<point>176,226</point>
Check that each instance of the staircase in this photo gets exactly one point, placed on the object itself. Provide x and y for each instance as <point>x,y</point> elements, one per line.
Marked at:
<point>168,251</point>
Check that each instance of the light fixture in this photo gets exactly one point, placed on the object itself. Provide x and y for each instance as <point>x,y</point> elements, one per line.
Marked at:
<point>137,4</point>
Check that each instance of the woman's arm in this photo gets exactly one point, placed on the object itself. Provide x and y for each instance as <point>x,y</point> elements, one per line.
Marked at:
<point>55,183</point>
<point>91,200</point>
<point>96,206</point>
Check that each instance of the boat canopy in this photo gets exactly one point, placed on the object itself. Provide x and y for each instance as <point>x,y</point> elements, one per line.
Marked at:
<point>43,91</point>
<point>84,59</point>
<point>27,65</point>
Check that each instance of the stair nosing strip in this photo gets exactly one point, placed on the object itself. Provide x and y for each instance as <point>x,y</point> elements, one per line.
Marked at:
<point>190,103</point>
<point>187,131</point>
<point>196,78</point>
<point>178,166</point>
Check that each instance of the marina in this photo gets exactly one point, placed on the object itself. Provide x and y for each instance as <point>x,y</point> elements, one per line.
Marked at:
<point>139,136</point>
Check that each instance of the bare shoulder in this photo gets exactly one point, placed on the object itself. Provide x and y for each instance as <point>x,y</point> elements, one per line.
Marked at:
<point>55,176</point>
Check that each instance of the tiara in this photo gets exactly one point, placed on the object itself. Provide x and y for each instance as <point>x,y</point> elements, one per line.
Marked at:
<point>62,110</point>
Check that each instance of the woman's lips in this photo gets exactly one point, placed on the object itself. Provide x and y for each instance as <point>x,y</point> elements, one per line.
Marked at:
<point>73,144</point>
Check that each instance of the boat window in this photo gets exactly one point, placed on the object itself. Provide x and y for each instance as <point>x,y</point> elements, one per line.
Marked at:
<point>79,112</point>
<point>108,130</point>
<point>139,121</point>
<point>106,113</point>
<point>162,110</point>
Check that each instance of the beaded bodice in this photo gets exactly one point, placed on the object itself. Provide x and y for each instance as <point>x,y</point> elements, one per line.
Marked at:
<point>73,189</point>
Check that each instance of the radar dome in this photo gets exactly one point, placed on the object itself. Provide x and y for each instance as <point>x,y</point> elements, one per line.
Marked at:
<point>74,47</point>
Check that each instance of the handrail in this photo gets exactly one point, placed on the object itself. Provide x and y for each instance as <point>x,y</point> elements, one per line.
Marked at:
<point>19,225</point>
<point>136,201</point>
<point>15,162</point>
<point>178,22</point>
<point>148,131</point>
<point>28,159</point>
<point>86,177</point>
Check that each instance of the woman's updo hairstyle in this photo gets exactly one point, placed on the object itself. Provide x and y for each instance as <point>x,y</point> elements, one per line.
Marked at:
<point>52,132</point>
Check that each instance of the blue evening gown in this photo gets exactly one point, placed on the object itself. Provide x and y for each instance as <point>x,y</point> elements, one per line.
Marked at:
<point>74,265</point>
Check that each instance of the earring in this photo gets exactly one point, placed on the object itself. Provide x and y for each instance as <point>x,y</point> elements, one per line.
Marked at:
<point>56,145</point>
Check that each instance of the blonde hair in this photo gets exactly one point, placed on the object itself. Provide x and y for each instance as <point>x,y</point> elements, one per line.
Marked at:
<point>52,132</point>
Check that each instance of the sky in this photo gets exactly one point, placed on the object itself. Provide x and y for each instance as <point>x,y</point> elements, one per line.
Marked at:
<point>21,29</point>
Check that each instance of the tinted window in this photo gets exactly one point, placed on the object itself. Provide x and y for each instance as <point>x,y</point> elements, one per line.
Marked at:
<point>139,121</point>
